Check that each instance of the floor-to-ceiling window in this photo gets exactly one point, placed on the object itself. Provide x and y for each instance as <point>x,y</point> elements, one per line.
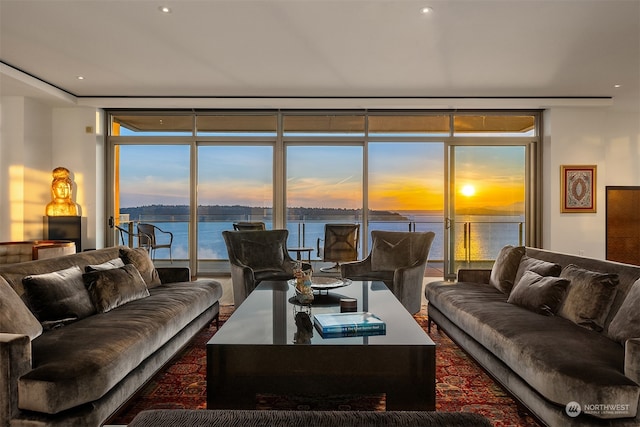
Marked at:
<point>151,180</point>
<point>324,175</point>
<point>468,176</point>
<point>235,154</point>
<point>490,197</point>
<point>406,176</point>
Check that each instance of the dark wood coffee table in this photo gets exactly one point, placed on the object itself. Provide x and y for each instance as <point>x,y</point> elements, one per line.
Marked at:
<point>261,350</point>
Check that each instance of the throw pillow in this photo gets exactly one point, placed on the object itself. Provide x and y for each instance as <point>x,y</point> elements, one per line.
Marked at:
<point>112,288</point>
<point>542,294</point>
<point>15,317</point>
<point>589,296</point>
<point>58,296</point>
<point>543,268</point>
<point>503,272</point>
<point>113,263</point>
<point>140,258</point>
<point>626,323</point>
<point>387,255</point>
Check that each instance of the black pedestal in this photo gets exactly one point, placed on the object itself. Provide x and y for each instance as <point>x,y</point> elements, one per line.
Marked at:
<point>63,228</point>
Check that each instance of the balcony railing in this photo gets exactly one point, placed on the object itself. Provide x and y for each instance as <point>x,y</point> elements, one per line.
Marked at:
<point>476,243</point>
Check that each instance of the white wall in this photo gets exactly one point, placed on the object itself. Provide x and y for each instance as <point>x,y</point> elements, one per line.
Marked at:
<point>575,136</point>
<point>34,139</point>
<point>80,150</point>
<point>25,177</point>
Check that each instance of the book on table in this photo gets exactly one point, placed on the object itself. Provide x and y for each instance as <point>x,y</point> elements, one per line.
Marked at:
<point>349,324</point>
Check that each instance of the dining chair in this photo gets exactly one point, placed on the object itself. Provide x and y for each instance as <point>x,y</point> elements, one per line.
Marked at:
<point>149,234</point>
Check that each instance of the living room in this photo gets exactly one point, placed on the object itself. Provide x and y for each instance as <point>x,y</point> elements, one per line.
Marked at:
<point>564,59</point>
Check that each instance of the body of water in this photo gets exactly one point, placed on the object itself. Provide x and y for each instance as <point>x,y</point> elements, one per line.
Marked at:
<point>477,237</point>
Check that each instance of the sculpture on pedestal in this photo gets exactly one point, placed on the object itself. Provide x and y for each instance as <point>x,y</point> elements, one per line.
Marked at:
<point>61,203</point>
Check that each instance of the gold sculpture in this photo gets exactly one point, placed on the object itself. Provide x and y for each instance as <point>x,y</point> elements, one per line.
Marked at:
<point>61,203</point>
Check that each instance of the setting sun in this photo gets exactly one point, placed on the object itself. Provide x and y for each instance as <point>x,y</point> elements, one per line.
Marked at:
<point>468,190</point>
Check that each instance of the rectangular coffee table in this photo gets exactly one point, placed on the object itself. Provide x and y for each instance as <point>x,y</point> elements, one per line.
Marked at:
<point>261,349</point>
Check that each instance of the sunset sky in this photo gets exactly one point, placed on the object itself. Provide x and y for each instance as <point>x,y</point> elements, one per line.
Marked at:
<point>402,176</point>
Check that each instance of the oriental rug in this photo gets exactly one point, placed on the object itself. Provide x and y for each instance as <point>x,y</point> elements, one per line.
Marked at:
<point>461,385</point>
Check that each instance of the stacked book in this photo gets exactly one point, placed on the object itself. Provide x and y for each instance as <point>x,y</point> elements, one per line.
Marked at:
<point>349,324</point>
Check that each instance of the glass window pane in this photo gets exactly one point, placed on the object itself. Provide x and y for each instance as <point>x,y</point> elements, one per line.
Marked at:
<point>489,202</point>
<point>324,185</point>
<point>407,125</point>
<point>406,190</point>
<point>235,183</point>
<point>494,125</point>
<point>236,125</point>
<point>152,186</point>
<point>334,125</point>
<point>152,125</point>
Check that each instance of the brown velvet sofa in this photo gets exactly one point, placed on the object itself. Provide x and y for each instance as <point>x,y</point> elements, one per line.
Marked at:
<point>72,351</point>
<point>560,332</point>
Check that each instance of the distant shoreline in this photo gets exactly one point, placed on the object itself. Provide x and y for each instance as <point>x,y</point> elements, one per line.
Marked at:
<point>238,212</point>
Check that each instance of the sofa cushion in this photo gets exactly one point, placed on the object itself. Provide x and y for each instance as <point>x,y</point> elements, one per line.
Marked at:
<point>59,295</point>
<point>626,323</point>
<point>14,273</point>
<point>105,348</point>
<point>589,296</point>
<point>113,287</point>
<point>548,352</point>
<point>113,263</point>
<point>143,262</point>
<point>539,266</point>
<point>15,317</point>
<point>542,294</point>
<point>503,272</point>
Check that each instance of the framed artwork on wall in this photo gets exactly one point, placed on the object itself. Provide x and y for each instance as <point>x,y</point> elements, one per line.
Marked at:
<point>578,188</point>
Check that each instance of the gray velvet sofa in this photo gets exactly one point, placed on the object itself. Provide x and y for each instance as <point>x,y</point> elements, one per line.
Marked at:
<point>560,332</point>
<point>72,351</point>
<point>249,418</point>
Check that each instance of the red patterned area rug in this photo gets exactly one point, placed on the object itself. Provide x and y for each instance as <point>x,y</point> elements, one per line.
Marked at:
<point>460,386</point>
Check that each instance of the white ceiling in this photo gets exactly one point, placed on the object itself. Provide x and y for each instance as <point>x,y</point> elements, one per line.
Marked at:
<point>329,48</point>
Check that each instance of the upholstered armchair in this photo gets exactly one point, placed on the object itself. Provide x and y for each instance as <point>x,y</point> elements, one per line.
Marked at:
<point>256,256</point>
<point>398,259</point>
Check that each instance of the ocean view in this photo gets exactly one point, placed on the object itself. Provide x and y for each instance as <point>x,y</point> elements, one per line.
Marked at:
<point>477,237</point>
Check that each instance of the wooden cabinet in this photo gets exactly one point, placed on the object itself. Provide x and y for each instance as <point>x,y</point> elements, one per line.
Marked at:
<point>623,224</point>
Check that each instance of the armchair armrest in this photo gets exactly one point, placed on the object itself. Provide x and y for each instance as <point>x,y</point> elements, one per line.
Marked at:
<point>174,274</point>
<point>15,361</point>
<point>166,232</point>
<point>356,269</point>
<point>474,275</point>
<point>632,359</point>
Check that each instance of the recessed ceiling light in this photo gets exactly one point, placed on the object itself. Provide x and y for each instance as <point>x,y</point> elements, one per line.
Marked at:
<point>426,10</point>
<point>617,86</point>
<point>80,77</point>
<point>164,9</point>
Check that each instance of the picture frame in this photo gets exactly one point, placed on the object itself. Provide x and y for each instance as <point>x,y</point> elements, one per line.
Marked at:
<point>578,188</point>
